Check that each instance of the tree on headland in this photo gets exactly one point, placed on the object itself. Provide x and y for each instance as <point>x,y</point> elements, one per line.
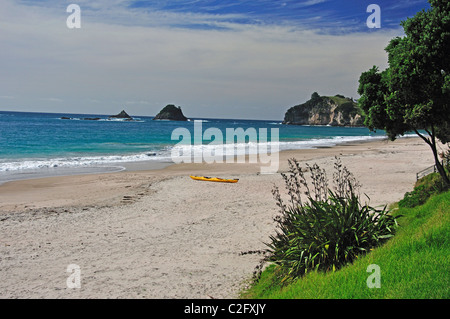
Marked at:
<point>413,93</point>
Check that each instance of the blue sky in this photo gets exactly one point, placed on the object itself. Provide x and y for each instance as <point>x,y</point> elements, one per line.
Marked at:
<point>223,59</point>
<point>315,14</point>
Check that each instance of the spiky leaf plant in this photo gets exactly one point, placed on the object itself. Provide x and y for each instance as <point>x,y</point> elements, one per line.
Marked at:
<point>321,229</point>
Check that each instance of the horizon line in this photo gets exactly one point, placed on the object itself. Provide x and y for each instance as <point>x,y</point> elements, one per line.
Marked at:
<point>101,114</point>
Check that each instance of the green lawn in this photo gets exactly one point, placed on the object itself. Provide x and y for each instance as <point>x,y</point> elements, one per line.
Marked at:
<point>415,263</point>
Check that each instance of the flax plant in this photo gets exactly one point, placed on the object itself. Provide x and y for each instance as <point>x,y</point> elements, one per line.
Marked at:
<point>324,229</point>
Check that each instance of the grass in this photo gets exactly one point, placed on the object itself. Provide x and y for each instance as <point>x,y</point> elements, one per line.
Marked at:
<point>415,264</point>
<point>339,99</point>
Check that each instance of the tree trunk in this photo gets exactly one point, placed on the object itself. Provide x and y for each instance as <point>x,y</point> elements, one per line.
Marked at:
<point>432,143</point>
<point>439,166</point>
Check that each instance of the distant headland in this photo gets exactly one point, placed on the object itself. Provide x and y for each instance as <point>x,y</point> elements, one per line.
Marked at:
<point>335,110</point>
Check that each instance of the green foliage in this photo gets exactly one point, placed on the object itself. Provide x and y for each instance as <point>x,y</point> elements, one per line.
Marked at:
<point>340,99</point>
<point>330,228</point>
<point>414,264</point>
<point>446,158</point>
<point>417,197</point>
<point>426,187</point>
<point>413,93</point>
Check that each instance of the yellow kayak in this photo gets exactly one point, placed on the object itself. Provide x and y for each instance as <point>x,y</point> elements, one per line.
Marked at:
<point>214,179</point>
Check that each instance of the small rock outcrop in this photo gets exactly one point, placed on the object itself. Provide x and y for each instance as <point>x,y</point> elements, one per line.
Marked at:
<point>171,113</point>
<point>122,115</point>
<point>325,110</point>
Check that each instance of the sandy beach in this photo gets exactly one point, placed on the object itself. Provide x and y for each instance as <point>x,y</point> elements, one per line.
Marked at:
<point>158,233</point>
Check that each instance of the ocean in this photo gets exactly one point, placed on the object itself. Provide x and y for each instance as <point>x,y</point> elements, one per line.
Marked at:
<point>44,144</point>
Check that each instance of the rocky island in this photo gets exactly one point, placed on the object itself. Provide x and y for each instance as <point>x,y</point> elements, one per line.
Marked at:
<point>335,110</point>
<point>171,113</point>
<point>122,115</point>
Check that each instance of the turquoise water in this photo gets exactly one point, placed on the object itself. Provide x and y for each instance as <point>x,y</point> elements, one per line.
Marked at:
<point>30,141</point>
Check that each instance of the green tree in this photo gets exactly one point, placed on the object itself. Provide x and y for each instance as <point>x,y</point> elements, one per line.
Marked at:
<point>413,93</point>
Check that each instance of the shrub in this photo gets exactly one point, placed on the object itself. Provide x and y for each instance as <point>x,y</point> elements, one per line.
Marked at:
<point>323,229</point>
<point>417,197</point>
<point>424,188</point>
<point>446,157</point>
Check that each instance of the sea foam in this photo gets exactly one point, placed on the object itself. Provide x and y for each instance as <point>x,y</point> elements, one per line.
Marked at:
<point>165,155</point>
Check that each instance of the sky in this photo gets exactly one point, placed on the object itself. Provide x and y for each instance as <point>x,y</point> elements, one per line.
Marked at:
<point>216,59</point>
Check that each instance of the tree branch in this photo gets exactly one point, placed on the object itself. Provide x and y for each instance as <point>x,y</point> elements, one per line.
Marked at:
<point>423,137</point>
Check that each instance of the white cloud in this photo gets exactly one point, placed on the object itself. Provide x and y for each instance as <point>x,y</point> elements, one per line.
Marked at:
<point>243,71</point>
<point>312,2</point>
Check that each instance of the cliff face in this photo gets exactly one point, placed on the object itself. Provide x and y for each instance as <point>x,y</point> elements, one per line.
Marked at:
<point>171,113</point>
<point>325,110</point>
